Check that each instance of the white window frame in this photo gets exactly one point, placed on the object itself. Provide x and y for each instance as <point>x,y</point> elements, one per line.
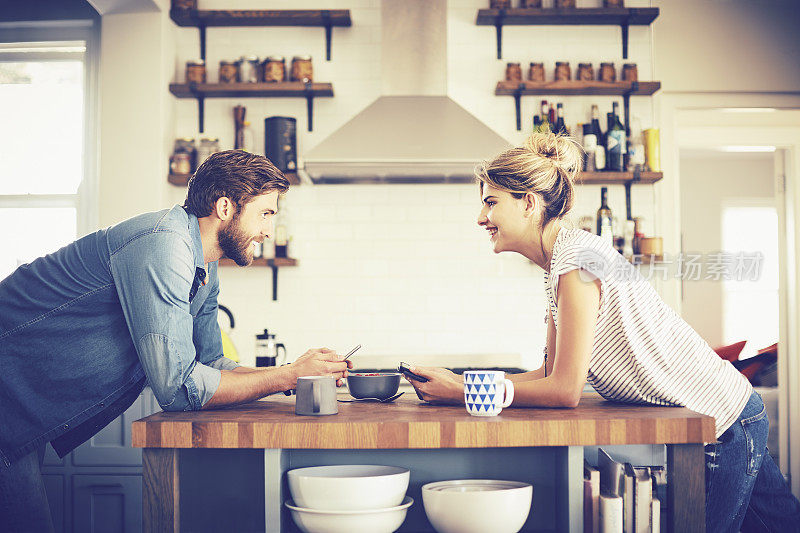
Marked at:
<point>85,201</point>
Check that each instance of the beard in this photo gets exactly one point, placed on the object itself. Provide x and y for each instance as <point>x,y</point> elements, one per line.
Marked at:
<point>235,243</point>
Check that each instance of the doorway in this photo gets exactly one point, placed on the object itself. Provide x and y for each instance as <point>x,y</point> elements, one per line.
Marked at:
<point>730,230</point>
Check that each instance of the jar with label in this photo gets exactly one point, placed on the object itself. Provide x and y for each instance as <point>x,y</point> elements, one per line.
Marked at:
<point>184,4</point>
<point>302,69</point>
<point>196,71</point>
<point>513,72</point>
<point>565,4</point>
<point>613,3</point>
<point>536,72</point>
<point>585,72</point>
<point>630,72</point>
<point>274,69</point>
<point>531,4</point>
<point>608,73</point>
<point>563,71</point>
<point>183,156</point>
<point>228,71</point>
<point>208,146</point>
<point>248,69</point>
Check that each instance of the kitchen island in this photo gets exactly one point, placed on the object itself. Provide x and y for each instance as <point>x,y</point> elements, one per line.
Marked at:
<point>196,465</point>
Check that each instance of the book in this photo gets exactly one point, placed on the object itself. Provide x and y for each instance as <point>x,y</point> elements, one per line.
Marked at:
<point>591,498</point>
<point>610,513</point>
<point>612,474</point>
<point>628,498</point>
<point>642,500</point>
<point>655,516</point>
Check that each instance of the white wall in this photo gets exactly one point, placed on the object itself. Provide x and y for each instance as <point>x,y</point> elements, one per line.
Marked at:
<point>708,180</point>
<point>401,270</point>
<point>425,280</point>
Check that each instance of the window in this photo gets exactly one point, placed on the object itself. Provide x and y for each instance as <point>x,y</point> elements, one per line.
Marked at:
<point>751,301</point>
<point>44,190</point>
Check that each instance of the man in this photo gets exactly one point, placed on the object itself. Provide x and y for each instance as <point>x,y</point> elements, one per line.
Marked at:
<point>84,328</point>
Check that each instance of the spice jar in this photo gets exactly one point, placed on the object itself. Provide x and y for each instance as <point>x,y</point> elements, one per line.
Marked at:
<point>585,72</point>
<point>184,4</point>
<point>630,72</point>
<point>208,146</point>
<point>513,72</point>
<point>536,4</point>
<point>302,69</point>
<point>183,154</point>
<point>196,71</point>
<point>274,69</point>
<point>500,4</point>
<point>565,4</point>
<point>536,72</point>
<point>613,3</point>
<point>563,71</point>
<point>248,69</point>
<point>608,73</point>
<point>228,71</point>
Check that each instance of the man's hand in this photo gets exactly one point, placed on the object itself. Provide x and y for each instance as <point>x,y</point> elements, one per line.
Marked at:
<point>442,387</point>
<point>320,362</point>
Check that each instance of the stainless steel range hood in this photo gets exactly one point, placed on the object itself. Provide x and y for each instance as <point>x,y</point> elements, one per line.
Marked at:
<point>413,133</point>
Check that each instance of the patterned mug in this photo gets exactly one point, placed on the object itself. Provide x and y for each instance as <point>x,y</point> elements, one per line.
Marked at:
<point>487,392</point>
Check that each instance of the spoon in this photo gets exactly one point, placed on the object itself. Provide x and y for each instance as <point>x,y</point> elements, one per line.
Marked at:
<point>384,400</point>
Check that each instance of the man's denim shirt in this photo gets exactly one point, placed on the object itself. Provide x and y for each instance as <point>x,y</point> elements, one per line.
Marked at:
<point>82,328</point>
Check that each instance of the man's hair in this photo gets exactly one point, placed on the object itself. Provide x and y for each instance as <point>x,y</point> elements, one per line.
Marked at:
<point>234,174</point>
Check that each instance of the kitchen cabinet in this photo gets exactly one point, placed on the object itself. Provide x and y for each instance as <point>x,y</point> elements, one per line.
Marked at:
<point>253,445</point>
<point>107,503</point>
<point>98,486</point>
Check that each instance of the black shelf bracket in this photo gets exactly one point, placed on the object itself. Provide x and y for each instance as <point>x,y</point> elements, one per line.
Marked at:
<point>202,42</point>
<point>518,105</point>
<point>200,106</point>
<point>624,28</point>
<point>498,25</point>
<point>274,282</point>
<point>326,21</point>
<point>310,105</point>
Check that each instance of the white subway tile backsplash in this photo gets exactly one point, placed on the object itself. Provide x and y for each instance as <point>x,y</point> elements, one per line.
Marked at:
<point>401,269</point>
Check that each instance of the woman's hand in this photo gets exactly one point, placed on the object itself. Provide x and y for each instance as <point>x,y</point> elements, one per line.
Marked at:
<point>442,387</point>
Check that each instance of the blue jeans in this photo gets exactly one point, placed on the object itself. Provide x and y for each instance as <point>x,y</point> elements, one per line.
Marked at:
<point>23,501</point>
<point>744,488</point>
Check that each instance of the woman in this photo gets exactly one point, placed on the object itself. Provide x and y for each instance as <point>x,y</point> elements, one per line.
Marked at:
<point>607,325</point>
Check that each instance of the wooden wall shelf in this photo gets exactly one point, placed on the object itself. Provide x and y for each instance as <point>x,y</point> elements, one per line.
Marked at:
<point>622,17</point>
<point>626,89</point>
<point>273,262</point>
<point>618,178</point>
<point>577,88</point>
<point>182,180</point>
<point>264,261</point>
<point>287,17</point>
<point>608,16</point>
<point>287,89</point>
<point>202,19</point>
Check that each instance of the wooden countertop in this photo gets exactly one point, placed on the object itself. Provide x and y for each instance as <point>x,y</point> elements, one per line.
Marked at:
<point>408,423</point>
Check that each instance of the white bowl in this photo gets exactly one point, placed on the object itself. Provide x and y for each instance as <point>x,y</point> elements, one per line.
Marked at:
<point>477,505</point>
<point>368,521</point>
<point>348,487</point>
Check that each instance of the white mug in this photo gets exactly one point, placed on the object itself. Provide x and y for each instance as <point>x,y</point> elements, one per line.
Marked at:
<point>487,392</point>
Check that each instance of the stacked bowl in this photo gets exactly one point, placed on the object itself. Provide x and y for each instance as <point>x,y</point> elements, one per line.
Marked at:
<point>477,505</point>
<point>349,498</point>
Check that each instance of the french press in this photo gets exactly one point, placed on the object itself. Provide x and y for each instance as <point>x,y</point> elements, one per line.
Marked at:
<point>267,350</point>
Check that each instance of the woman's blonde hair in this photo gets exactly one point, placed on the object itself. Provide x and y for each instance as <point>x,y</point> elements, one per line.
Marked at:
<point>546,164</point>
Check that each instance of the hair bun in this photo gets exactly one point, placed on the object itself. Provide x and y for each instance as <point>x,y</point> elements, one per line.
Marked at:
<point>564,152</point>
